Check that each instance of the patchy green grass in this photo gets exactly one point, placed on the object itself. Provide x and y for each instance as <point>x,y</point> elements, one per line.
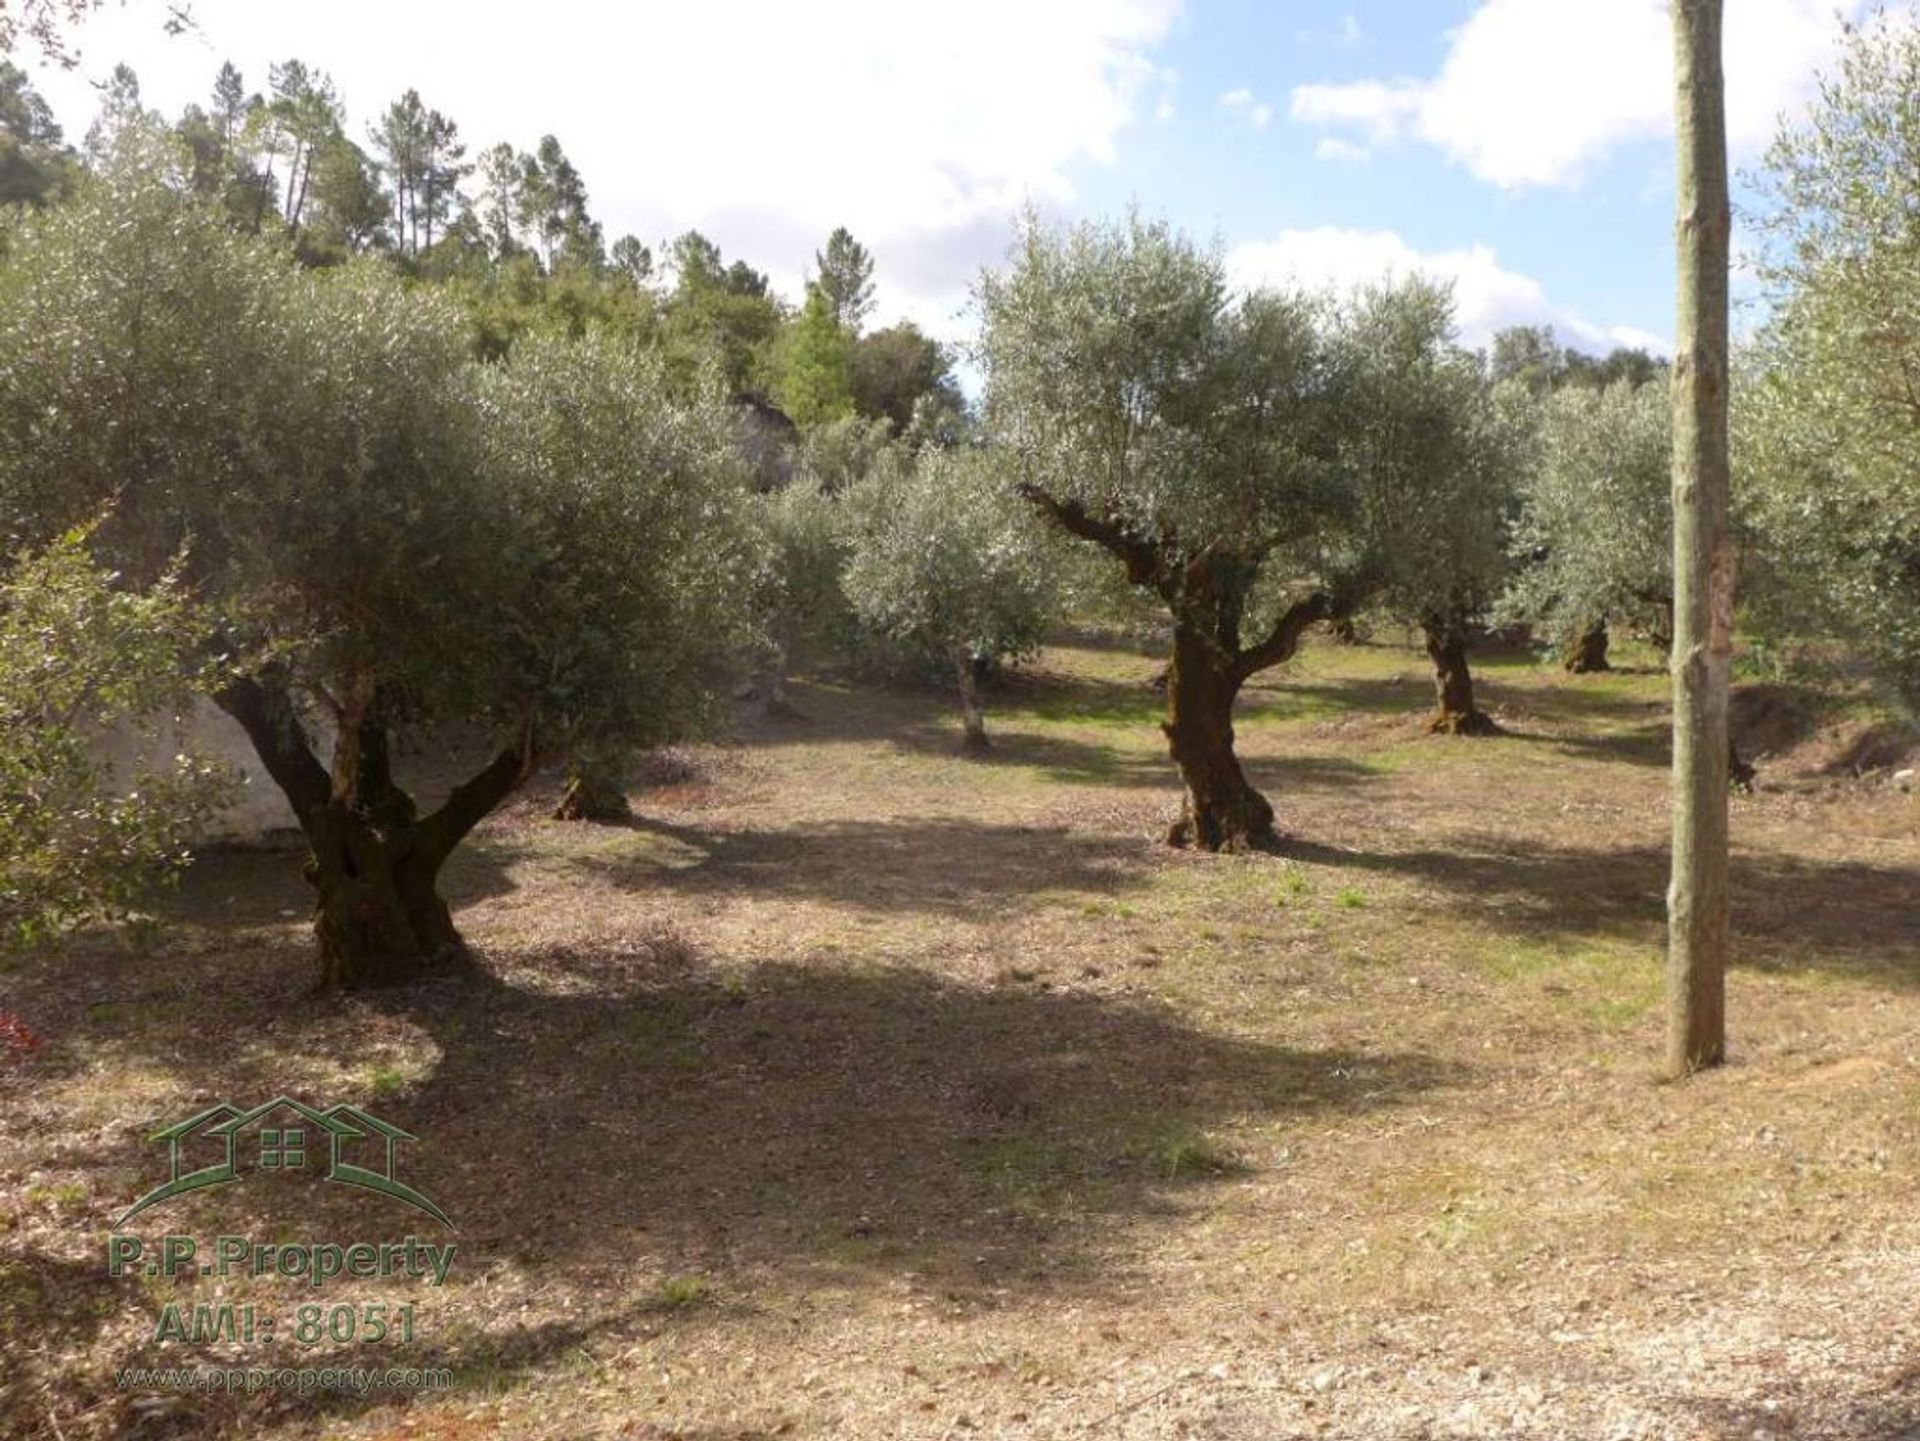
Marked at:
<point>1177,1152</point>
<point>677,1293</point>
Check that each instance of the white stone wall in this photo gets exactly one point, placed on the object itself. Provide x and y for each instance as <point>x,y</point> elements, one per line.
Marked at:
<point>206,730</point>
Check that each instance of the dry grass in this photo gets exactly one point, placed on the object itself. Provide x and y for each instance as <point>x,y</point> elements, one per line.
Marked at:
<point>858,1089</point>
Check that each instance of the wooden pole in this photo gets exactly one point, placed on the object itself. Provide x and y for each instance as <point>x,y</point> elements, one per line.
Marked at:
<point>1703,556</point>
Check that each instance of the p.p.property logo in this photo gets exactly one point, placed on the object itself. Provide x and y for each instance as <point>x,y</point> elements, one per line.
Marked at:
<point>224,1144</point>
<point>343,1144</point>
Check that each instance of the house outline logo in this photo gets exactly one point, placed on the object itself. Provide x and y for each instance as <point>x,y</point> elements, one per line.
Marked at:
<point>284,1147</point>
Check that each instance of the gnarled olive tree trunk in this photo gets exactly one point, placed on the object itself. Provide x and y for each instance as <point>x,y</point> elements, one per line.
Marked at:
<point>972,719</point>
<point>1660,630</point>
<point>379,916</point>
<point>1457,714</point>
<point>594,792</point>
<point>1586,652</point>
<point>1206,595</point>
<point>1222,810</point>
<point>374,862</point>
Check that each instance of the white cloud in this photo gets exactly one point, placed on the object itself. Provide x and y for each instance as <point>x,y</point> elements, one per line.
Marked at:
<point>1342,152</point>
<point>1635,338</point>
<point>1168,81</point>
<point>1244,104</point>
<point>1382,111</point>
<point>1347,33</point>
<point>763,124</point>
<point>1487,296</point>
<point>1534,92</point>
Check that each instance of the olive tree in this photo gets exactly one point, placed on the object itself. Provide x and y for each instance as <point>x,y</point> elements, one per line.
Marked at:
<point>631,506</point>
<point>798,600</point>
<point>805,542</point>
<point>82,656</point>
<point>390,539</point>
<point>947,562</point>
<point>1188,433</point>
<point>833,456</point>
<point>1433,457</point>
<point>1593,541</point>
<point>1827,424</point>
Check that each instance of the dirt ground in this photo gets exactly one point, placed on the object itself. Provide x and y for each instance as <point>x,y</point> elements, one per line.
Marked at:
<point>857,1089</point>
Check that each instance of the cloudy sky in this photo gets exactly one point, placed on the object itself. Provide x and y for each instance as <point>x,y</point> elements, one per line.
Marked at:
<point>1521,148</point>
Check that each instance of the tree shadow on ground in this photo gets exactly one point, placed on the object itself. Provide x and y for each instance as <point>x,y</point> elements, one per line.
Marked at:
<point>1767,719</point>
<point>48,1300</point>
<point>1286,700</point>
<point>1072,699</point>
<point>262,883</point>
<point>938,864</point>
<point>1063,759</point>
<point>1412,692</point>
<point>885,710</point>
<point>629,1118</point>
<point>1070,761</point>
<point>1649,743</point>
<point>855,1117</point>
<point>1788,913</point>
<point>1884,1412</point>
<point>51,1307</point>
<point>1281,776</point>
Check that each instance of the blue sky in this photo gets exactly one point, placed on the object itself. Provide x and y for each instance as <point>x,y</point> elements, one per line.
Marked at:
<point>1600,249</point>
<point>1520,148</point>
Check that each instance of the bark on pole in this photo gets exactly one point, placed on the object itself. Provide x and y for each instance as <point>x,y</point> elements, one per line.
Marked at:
<point>1703,559</point>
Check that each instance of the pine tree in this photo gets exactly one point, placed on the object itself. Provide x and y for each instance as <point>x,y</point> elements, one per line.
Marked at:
<point>120,107</point>
<point>229,112</point>
<point>400,138</point>
<point>442,166</point>
<point>846,275</point>
<point>633,259</point>
<point>502,172</point>
<point>816,382</point>
<point>306,116</point>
